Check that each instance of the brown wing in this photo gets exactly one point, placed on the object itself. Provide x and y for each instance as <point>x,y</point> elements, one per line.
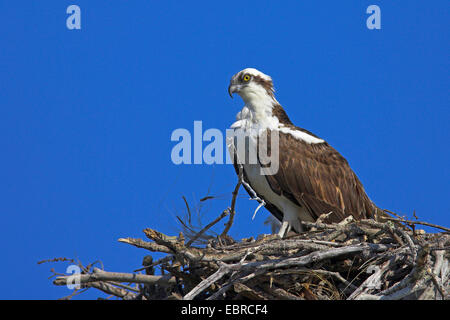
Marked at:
<point>318,178</point>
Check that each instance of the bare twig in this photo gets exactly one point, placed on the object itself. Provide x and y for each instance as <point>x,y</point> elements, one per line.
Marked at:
<point>233,201</point>
<point>409,222</point>
<point>223,215</point>
<point>188,209</point>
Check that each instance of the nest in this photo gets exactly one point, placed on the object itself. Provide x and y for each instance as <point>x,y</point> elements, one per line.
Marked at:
<point>350,260</point>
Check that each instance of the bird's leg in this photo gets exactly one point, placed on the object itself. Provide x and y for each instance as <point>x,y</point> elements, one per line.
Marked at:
<point>285,227</point>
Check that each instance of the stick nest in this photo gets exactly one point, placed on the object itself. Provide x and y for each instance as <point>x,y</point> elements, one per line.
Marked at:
<point>350,260</point>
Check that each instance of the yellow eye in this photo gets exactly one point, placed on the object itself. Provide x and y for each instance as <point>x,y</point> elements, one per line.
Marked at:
<point>246,78</point>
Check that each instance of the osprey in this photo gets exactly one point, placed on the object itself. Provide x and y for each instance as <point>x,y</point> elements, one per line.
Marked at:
<point>311,179</point>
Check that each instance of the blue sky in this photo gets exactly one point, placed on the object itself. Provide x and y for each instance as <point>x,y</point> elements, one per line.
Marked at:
<point>86,115</point>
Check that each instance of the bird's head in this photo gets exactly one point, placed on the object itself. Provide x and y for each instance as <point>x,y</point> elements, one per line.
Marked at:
<point>251,85</point>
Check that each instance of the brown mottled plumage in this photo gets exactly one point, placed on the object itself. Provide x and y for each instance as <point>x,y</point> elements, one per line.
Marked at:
<point>317,177</point>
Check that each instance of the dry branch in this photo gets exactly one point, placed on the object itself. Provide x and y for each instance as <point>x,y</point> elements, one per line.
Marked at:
<point>356,260</point>
<point>100,275</point>
<point>349,260</point>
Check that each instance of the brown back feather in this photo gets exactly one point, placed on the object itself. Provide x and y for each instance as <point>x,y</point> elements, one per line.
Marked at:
<point>318,178</point>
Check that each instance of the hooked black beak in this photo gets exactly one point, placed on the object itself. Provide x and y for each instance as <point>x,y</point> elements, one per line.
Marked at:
<point>229,90</point>
<point>232,88</point>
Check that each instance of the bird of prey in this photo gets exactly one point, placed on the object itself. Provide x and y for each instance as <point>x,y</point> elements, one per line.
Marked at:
<point>311,179</point>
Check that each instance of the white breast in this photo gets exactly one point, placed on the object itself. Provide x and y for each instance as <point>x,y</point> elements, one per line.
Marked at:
<point>291,212</point>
